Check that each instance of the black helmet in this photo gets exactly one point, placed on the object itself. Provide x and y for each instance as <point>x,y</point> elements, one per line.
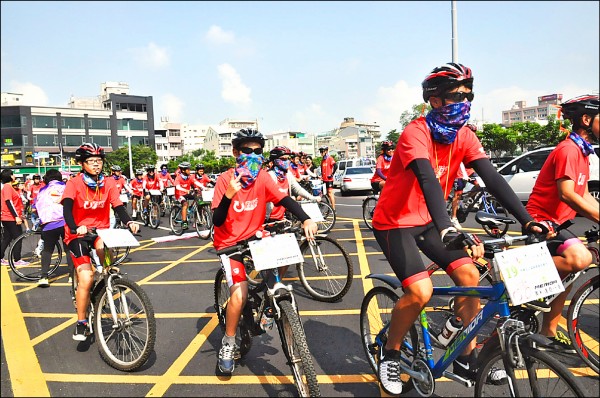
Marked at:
<point>36,176</point>
<point>163,166</point>
<point>199,166</point>
<point>446,77</point>
<point>279,151</point>
<point>150,168</point>
<point>247,135</point>
<point>139,172</point>
<point>184,165</point>
<point>385,145</point>
<point>87,150</point>
<point>576,107</point>
<point>115,167</point>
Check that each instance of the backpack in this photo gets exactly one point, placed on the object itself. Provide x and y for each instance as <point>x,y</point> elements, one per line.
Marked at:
<point>48,203</point>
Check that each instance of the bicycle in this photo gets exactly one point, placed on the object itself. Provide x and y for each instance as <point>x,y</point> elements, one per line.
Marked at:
<point>317,187</point>
<point>120,313</point>
<point>478,198</point>
<point>31,246</point>
<point>167,201</point>
<point>368,209</point>
<point>328,215</point>
<point>270,293</point>
<point>510,348</point>
<point>199,214</point>
<point>151,212</point>
<point>327,270</point>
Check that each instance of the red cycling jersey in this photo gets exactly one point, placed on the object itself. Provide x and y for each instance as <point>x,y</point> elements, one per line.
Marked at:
<point>384,166</point>
<point>327,168</point>
<point>166,179</point>
<point>137,186</point>
<point>152,183</point>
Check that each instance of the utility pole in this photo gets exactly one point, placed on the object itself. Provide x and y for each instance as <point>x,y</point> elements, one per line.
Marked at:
<point>454,33</point>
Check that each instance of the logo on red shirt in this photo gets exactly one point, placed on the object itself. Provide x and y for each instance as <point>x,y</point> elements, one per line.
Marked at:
<point>249,205</point>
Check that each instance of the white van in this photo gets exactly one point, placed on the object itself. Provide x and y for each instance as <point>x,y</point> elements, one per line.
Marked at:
<point>342,164</point>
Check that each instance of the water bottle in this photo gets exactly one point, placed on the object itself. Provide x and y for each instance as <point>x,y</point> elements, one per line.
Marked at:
<point>451,328</point>
<point>267,320</point>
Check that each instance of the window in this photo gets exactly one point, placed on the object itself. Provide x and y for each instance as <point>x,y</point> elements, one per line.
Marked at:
<point>102,140</point>
<point>72,123</point>
<point>9,121</point>
<point>43,121</point>
<point>73,140</point>
<point>99,124</point>
<point>45,139</point>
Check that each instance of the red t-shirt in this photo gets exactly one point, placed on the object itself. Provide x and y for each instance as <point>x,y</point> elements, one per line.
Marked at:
<point>565,161</point>
<point>295,172</point>
<point>278,212</point>
<point>9,193</point>
<point>185,184</point>
<point>167,180</point>
<point>327,168</point>
<point>247,209</point>
<point>34,190</point>
<point>120,183</point>
<point>91,207</point>
<point>382,164</point>
<point>152,183</point>
<point>137,186</point>
<point>402,204</point>
<point>203,179</point>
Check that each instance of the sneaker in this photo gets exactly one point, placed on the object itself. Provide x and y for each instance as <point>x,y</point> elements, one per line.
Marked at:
<point>43,282</point>
<point>227,355</point>
<point>21,263</point>
<point>70,280</point>
<point>184,225</point>
<point>560,343</point>
<point>4,262</point>
<point>467,369</point>
<point>134,215</point>
<point>455,223</point>
<point>81,331</point>
<point>388,372</point>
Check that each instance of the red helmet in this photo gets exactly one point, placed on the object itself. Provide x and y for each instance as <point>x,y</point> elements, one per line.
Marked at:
<point>279,151</point>
<point>87,150</point>
<point>445,77</point>
<point>385,145</point>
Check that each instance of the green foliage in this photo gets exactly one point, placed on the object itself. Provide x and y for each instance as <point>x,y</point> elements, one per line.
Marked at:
<point>393,136</point>
<point>211,163</point>
<point>497,139</point>
<point>408,116</point>
<point>141,156</point>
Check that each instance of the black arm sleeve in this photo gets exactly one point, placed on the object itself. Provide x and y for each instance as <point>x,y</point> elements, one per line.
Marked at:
<point>432,191</point>
<point>68,213</point>
<point>220,213</point>
<point>11,207</point>
<point>497,186</point>
<point>334,168</point>
<point>294,207</point>
<point>122,213</point>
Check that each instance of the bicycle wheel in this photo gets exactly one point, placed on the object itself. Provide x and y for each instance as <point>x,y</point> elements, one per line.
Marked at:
<point>368,208</point>
<point>375,315</point>
<point>31,256</point>
<point>542,376</point>
<point>222,296</point>
<point>495,207</point>
<point>327,270</point>
<point>203,222</point>
<point>296,350</point>
<point>163,206</point>
<point>153,215</point>
<point>175,220</point>
<point>329,218</point>
<point>582,322</point>
<point>127,344</point>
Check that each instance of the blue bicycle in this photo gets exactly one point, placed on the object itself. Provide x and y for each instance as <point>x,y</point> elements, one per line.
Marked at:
<point>529,372</point>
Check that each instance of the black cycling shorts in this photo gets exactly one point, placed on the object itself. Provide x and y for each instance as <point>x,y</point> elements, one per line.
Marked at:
<point>401,248</point>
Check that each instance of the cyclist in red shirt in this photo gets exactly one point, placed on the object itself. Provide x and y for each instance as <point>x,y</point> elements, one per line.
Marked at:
<point>11,213</point>
<point>560,192</point>
<point>165,177</point>
<point>328,168</point>
<point>87,200</point>
<point>411,213</point>
<point>137,191</point>
<point>384,161</point>
<point>239,204</point>
<point>185,183</point>
<point>31,193</point>
<point>201,177</point>
<point>120,181</point>
<point>151,182</point>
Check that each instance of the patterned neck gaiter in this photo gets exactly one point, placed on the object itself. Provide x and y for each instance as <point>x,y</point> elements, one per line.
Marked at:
<point>445,121</point>
<point>248,166</point>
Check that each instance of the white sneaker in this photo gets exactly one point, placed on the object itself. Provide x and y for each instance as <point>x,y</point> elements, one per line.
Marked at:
<point>388,372</point>
<point>455,223</point>
<point>43,282</point>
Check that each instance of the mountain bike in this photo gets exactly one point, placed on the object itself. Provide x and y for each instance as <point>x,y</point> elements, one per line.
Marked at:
<point>273,295</point>
<point>199,214</point>
<point>151,212</point>
<point>317,188</point>
<point>30,245</point>
<point>120,314</point>
<point>368,208</point>
<point>511,348</point>
<point>328,216</point>
<point>167,201</point>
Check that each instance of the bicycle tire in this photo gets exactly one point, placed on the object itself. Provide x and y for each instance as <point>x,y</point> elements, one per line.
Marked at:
<point>175,221</point>
<point>368,207</point>
<point>293,341</point>
<point>326,272</point>
<point>496,208</point>
<point>375,313</point>
<point>329,218</point>
<point>29,243</point>
<point>582,322</point>
<point>153,215</point>
<point>203,222</point>
<point>127,347</point>
<point>544,375</point>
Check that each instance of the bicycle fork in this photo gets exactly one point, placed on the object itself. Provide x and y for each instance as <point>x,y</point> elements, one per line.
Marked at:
<point>111,302</point>
<point>317,255</point>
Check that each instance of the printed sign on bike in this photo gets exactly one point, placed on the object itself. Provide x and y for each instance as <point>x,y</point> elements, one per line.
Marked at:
<point>275,251</point>
<point>207,195</point>
<point>529,273</point>
<point>313,211</point>
<point>117,237</point>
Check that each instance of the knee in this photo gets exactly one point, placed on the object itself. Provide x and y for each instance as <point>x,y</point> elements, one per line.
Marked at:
<point>466,275</point>
<point>419,293</point>
<point>579,259</point>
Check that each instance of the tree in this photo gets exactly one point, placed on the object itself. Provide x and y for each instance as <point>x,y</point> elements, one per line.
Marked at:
<point>416,111</point>
<point>497,139</point>
<point>393,136</point>
<point>141,156</point>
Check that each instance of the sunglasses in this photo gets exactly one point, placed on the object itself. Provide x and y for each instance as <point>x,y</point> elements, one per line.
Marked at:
<point>248,151</point>
<point>459,96</point>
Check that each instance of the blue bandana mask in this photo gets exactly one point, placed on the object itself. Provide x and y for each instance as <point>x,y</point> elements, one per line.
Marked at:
<point>281,168</point>
<point>445,121</point>
<point>248,166</point>
<point>387,158</point>
<point>164,172</point>
<point>93,184</point>
<point>585,146</point>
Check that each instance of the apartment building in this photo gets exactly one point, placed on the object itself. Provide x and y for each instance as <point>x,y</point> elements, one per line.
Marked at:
<point>193,136</point>
<point>218,138</point>
<point>168,141</point>
<point>520,112</point>
<point>295,140</point>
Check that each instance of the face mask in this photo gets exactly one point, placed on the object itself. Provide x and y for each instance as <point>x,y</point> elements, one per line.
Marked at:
<point>116,177</point>
<point>281,168</point>
<point>93,184</point>
<point>164,172</point>
<point>387,158</point>
<point>586,148</point>
<point>445,121</point>
<point>248,166</point>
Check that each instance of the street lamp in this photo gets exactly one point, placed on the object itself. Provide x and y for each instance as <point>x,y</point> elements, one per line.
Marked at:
<point>128,119</point>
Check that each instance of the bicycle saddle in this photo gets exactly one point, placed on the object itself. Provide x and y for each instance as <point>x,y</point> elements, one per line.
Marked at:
<point>492,220</point>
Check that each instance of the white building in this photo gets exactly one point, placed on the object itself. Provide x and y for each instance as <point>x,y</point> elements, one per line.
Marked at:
<point>218,138</point>
<point>192,136</point>
<point>520,112</point>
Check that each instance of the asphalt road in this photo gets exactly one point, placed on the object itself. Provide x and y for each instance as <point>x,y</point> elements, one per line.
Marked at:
<point>39,358</point>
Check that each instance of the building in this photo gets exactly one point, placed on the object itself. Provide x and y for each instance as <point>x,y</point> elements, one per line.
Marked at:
<point>352,142</point>
<point>193,136</point>
<point>168,141</point>
<point>218,138</point>
<point>373,130</point>
<point>34,137</point>
<point>295,140</point>
<point>520,112</point>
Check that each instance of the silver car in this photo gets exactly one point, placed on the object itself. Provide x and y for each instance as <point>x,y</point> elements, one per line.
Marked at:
<point>356,179</point>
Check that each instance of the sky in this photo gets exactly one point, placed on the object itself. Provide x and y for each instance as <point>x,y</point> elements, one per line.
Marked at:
<point>297,66</point>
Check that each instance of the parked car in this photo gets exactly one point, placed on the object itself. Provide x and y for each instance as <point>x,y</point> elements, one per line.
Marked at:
<point>343,164</point>
<point>356,179</point>
<point>522,171</point>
